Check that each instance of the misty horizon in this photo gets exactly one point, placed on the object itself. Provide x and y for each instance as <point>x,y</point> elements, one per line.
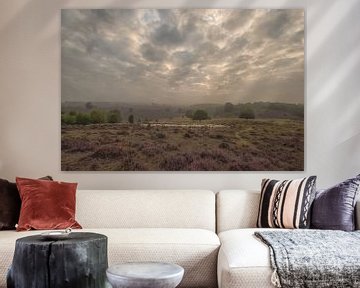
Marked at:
<point>174,105</point>
<point>182,57</point>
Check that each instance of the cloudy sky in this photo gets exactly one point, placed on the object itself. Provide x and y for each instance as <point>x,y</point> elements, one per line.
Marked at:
<point>182,56</point>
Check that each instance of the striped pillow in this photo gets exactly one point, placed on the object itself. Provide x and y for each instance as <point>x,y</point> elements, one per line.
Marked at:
<point>286,204</point>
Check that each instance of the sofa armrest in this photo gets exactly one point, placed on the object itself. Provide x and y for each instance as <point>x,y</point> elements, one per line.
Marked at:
<point>357,215</point>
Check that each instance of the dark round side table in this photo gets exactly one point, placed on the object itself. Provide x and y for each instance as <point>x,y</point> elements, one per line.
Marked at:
<point>78,261</point>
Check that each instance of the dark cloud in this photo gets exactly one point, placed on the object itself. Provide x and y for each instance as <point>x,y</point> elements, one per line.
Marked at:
<point>206,51</point>
<point>182,56</point>
<point>236,45</point>
<point>152,54</point>
<point>238,18</point>
<point>103,15</point>
<point>277,23</point>
<point>273,24</point>
<point>298,37</point>
<point>179,75</point>
<point>167,35</point>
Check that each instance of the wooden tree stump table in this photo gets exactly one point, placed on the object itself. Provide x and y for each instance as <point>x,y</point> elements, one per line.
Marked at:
<point>78,261</point>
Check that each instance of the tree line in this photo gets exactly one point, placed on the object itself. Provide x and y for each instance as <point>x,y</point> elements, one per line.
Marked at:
<point>93,117</point>
<point>201,114</point>
<point>98,116</point>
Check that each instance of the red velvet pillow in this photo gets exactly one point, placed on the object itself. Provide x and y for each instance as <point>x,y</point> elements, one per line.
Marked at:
<point>46,204</point>
<point>10,204</point>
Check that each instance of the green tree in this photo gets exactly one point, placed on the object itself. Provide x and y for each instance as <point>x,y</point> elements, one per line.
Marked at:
<point>200,115</point>
<point>83,118</point>
<point>68,119</point>
<point>97,116</point>
<point>131,119</point>
<point>228,107</point>
<point>247,113</point>
<point>114,116</point>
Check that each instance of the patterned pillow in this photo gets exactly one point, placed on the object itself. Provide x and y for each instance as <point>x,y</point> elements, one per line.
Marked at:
<point>286,204</point>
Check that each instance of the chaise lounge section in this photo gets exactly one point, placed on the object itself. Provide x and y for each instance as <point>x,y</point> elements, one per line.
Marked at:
<point>244,260</point>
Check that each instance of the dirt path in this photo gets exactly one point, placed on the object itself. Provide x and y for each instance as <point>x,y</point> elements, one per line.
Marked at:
<point>184,125</point>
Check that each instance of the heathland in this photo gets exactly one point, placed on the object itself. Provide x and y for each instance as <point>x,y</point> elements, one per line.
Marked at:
<point>258,136</point>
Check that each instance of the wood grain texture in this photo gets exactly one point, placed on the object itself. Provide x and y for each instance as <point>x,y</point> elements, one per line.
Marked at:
<point>79,261</point>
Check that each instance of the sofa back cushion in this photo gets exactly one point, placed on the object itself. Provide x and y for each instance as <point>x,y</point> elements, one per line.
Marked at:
<point>146,209</point>
<point>236,209</point>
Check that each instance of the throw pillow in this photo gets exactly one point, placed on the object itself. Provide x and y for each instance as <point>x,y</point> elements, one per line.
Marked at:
<point>334,208</point>
<point>10,204</point>
<point>46,204</point>
<point>286,204</point>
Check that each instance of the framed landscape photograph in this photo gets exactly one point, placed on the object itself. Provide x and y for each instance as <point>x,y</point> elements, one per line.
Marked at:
<point>182,90</point>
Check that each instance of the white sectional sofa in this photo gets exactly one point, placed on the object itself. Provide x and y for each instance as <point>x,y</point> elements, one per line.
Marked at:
<point>243,261</point>
<point>161,225</point>
<point>177,226</point>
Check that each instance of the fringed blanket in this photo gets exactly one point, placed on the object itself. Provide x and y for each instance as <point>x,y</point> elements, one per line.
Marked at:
<point>313,258</point>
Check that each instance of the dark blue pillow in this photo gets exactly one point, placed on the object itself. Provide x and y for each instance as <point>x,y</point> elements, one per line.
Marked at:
<point>334,208</point>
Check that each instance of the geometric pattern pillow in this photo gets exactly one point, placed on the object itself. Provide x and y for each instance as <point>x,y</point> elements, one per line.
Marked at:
<point>286,204</point>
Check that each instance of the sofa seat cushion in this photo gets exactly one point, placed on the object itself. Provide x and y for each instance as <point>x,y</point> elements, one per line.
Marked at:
<point>194,249</point>
<point>244,261</point>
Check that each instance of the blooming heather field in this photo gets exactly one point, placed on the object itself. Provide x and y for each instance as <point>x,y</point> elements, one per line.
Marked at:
<point>209,145</point>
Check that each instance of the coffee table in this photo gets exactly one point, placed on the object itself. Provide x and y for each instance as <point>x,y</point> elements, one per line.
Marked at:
<point>78,261</point>
<point>145,275</point>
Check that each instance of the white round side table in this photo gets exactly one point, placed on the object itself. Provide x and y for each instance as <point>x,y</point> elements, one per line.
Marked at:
<point>145,275</point>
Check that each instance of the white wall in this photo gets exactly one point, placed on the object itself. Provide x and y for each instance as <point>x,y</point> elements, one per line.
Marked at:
<point>30,95</point>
